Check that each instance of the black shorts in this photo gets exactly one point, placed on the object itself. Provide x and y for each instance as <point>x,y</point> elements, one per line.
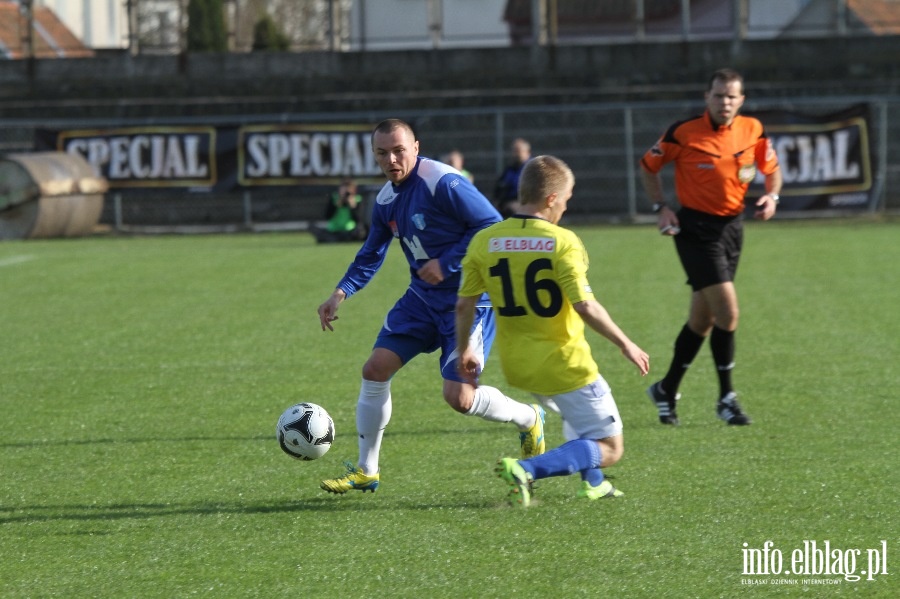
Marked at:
<point>709,247</point>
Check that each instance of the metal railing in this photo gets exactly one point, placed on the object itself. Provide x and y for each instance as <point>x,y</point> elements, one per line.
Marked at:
<point>601,142</point>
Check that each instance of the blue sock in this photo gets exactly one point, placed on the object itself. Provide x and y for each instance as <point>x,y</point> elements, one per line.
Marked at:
<point>594,476</point>
<point>568,458</point>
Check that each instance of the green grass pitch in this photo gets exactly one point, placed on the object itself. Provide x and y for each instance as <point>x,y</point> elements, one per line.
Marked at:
<point>141,378</point>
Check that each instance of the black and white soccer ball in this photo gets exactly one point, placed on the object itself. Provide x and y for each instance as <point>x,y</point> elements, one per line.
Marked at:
<point>305,431</point>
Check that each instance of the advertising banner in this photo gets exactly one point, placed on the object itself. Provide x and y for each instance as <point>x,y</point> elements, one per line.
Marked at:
<point>222,158</point>
<point>826,160</point>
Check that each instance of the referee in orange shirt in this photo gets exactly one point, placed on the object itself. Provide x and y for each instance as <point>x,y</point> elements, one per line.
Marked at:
<point>716,156</point>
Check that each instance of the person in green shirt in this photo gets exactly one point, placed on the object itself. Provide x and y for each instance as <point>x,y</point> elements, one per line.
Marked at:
<point>343,213</point>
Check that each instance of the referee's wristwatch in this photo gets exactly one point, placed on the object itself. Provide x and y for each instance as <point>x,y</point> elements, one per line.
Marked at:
<point>775,197</point>
<point>660,205</point>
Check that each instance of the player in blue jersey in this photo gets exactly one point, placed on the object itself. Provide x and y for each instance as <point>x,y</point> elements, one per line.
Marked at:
<point>434,212</point>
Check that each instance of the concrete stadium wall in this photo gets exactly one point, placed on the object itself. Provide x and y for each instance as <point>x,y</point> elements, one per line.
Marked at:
<point>125,89</point>
<point>120,85</point>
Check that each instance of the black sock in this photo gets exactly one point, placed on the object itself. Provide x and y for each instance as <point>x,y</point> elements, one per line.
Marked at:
<point>687,344</point>
<point>721,342</point>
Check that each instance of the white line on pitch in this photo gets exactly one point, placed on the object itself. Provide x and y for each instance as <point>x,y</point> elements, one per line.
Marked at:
<point>15,260</point>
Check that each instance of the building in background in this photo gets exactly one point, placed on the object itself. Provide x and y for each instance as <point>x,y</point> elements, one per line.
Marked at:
<point>426,24</point>
<point>40,35</point>
<point>847,17</point>
<point>159,26</point>
<point>667,20</point>
<point>99,24</point>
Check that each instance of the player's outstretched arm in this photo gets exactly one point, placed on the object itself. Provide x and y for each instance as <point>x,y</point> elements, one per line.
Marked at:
<point>431,272</point>
<point>328,309</point>
<point>467,365</point>
<point>596,317</point>
<point>636,356</point>
<point>667,222</point>
<point>767,204</point>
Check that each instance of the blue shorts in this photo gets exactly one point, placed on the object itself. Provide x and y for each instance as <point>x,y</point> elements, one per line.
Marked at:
<point>412,328</point>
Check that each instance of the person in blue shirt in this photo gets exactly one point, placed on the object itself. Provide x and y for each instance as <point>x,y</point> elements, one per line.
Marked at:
<point>433,211</point>
<point>506,189</point>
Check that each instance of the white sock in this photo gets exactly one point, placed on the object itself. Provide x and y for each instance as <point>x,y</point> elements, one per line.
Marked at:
<point>373,412</point>
<point>491,404</point>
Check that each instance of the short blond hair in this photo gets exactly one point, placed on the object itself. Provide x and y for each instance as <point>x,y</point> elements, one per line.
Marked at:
<point>542,176</point>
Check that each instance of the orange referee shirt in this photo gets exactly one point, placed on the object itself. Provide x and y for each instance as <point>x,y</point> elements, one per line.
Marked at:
<point>713,165</point>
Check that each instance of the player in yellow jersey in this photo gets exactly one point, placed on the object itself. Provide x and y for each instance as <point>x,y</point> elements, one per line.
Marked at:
<point>536,275</point>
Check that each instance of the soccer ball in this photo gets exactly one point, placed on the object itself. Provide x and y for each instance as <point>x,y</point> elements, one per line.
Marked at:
<point>305,431</point>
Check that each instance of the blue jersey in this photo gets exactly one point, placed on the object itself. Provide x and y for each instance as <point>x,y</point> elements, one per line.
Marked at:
<point>434,213</point>
<point>507,187</point>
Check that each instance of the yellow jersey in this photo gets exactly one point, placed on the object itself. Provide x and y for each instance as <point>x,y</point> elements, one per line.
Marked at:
<point>534,271</point>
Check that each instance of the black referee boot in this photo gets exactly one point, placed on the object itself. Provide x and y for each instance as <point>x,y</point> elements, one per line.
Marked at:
<point>729,410</point>
<point>664,403</point>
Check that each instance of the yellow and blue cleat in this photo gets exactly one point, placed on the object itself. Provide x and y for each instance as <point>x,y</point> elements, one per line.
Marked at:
<point>355,479</point>
<point>532,440</point>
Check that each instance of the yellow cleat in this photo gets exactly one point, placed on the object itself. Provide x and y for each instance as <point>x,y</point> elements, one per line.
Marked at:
<point>604,489</point>
<point>532,440</point>
<point>355,479</point>
<point>517,478</point>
